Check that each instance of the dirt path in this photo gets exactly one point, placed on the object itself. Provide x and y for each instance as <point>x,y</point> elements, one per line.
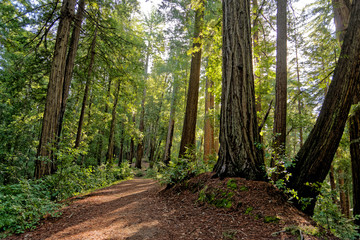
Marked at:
<point>137,210</point>
<point>124,211</point>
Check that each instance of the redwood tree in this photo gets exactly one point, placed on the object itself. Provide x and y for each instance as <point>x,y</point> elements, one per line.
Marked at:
<point>314,159</point>
<point>238,154</point>
<point>281,84</point>
<point>54,93</point>
<point>189,126</point>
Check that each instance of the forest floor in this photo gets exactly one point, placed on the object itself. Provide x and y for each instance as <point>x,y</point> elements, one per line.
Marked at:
<point>140,209</point>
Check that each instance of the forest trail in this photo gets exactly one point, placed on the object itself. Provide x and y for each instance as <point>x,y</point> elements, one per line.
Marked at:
<point>127,210</point>
<point>139,209</point>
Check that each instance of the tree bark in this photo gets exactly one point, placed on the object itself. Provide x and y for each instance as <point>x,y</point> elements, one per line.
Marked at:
<point>132,144</point>
<point>170,132</point>
<point>70,61</point>
<point>140,147</point>
<point>209,142</point>
<point>355,161</point>
<point>54,93</point>
<point>314,159</point>
<point>281,87</point>
<point>344,201</point>
<point>341,17</point>
<point>110,152</point>
<point>86,92</point>
<point>238,154</point>
<point>332,184</point>
<point>189,126</point>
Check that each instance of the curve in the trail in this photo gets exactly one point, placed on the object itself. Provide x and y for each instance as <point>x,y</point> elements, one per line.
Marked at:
<point>122,211</point>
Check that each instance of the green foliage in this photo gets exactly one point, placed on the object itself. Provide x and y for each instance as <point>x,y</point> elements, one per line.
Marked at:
<point>271,219</point>
<point>216,197</point>
<point>328,215</point>
<point>181,169</point>
<point>231,184</point>
<point>249,210</point>
<point>22,205</point>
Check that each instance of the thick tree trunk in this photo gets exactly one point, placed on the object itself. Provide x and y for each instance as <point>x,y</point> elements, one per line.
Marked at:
<point>54,93</point>
<point>281,86</point>
<point>170,132</point>
<point>189,126</point>
<point>209,141</point>
<point>86,92</point>
<point>314,159</point>
<point>70,61</point>
<point>110,152</point>
<point>355,160</point>
<point>238,155</point>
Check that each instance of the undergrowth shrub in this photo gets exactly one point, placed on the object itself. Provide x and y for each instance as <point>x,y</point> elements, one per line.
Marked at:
<point>180,169</point>
<point>23,204</point>
<point>328,215</point>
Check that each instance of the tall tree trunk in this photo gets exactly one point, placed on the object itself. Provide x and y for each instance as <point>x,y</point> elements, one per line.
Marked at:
<point>355,160</point>
<point>209,142</point>
<point>132,145</point>
<point>301,138</point>
<point>121,151</point>
<point>86,92</point>
<point>238,154</point>
<point>140,147</point>
<point>314,159</point>
<point>344,200</point>
<point>170,132</point>
<point>333,185</point>
<point>281,86</point>
<point>341,17</point>
<point>189,126</point>
<point>257,78</point>
<point>70,61</point>
<point>54,93</point>
<point>110,152</point>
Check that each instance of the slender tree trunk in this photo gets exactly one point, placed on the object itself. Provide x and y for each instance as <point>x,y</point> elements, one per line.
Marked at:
<point>344,200</point>
<point>170,132</point>
<point>216,130</point>
<point>239,132</point>
<point>86,92</point>
<point>209,144</point>
<point>70,61</point>
<point>121,151</point>
<point>333,185</point>
<point>189,126</point>
<point>110,152</point>
<point>314,159</point>
<point>132,145</point>
<point>281,86</point>
<point>54,93</point>
<point>257,78</point>
<point>140,147</point>
<point>301,138</point>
